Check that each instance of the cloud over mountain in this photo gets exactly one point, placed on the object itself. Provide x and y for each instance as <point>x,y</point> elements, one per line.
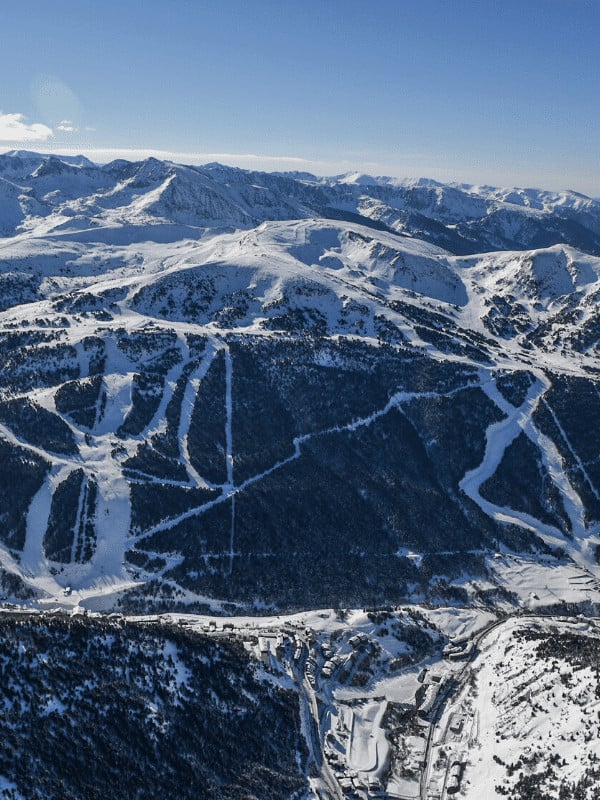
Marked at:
<point>14,128</point>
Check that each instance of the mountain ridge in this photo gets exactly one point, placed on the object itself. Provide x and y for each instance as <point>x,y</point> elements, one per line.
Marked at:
<point>216,395</point>
<point>498,218</point>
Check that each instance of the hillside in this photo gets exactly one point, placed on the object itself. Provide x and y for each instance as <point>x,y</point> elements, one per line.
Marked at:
<point>235,390</point>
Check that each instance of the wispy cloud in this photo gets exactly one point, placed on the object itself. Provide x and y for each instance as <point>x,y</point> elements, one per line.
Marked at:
<point>67,126</point>
<point>13,128</point>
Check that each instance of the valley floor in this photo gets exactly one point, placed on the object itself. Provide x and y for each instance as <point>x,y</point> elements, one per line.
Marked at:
<point>417,702</point>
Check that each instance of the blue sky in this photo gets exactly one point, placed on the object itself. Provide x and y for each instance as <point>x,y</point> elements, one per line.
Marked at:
<point>475,91</point>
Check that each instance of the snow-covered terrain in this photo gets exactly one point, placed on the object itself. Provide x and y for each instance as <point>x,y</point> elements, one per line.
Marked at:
<point>416,702</point>
<point>344,430</point>
<point>532,705</point>
<point>226,389</point>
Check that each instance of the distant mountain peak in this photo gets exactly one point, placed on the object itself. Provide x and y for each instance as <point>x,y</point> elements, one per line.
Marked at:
<point>229,386</point>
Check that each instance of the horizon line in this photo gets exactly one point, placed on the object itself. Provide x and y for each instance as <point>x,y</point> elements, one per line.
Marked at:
<point>256,162</point>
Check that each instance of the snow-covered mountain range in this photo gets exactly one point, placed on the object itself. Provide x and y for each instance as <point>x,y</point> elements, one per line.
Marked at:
<point>224,388</point>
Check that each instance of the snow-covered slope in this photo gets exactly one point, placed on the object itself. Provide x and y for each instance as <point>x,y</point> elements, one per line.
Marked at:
<point>463,219</point>
<point>92,703</point>
<point>228,386</point>
<point>533,703</point>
